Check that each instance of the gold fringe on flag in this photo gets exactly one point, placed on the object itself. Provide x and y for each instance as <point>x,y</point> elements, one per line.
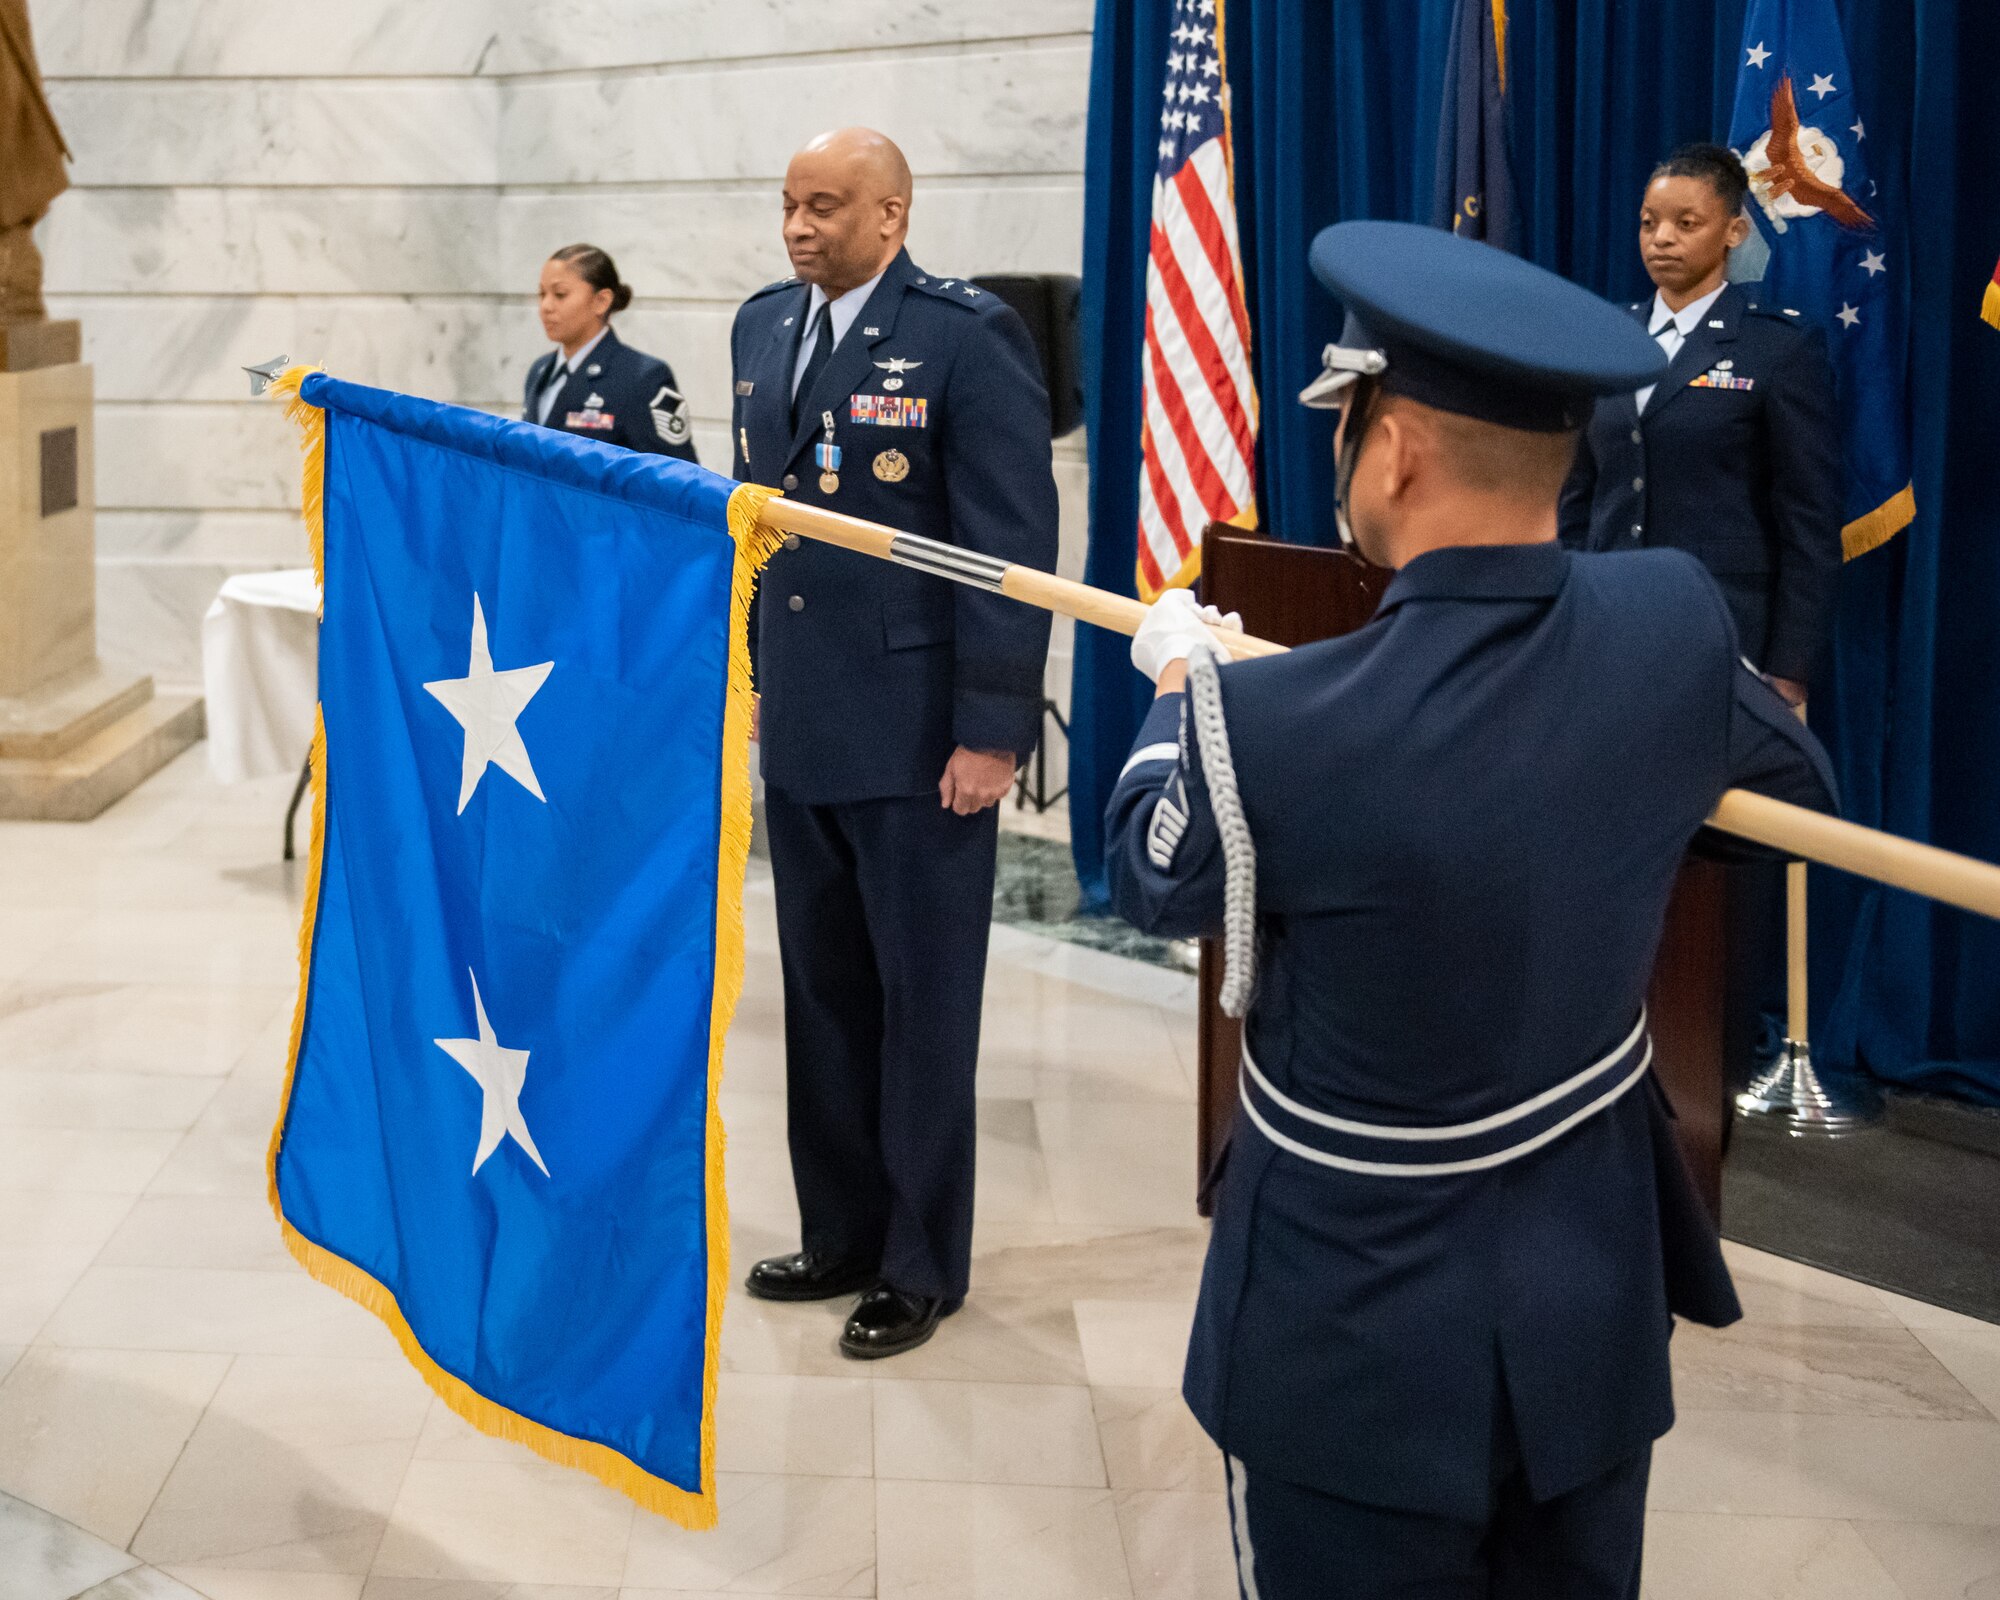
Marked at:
<point>1879,526</point>
<point>754,545</point>
<point>1989,308</point>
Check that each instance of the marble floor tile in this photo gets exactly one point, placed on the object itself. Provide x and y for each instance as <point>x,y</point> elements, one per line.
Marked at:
<point>47,1241</point>
<point>774,1535</point>
<point>141,1583</point>
<point>234,947</point>
<point>223,1583</point>
<point>447,1436</point>
<point>775,1337</point>
<point>1177,1545</point>
<point>1067,1262</point>
<point>478,1589</point>
<point>1127,1163</point>
<point>1776,1291</point>
<point>294,1466</point>
<point>185,1230</point>
<point>1931,1561</point>
<point>90,1435</point>
<point>83,1161</point>
<point>1001,1339</point>
<point>210,1308</point>
<point>44,1558</point>
<point>527,1522</point>
<point>1972,1356</point>
<point>103,1100</point>
<point>9,1355</point>
<point>1760,1558</point>
<point>1010,1178</point>
<point>1134,1343</point>
<point>779,1423</point>
<point>986,1433</point>
<point>1151,1441</point>
<point>1870,1372</point>
<point>1790,1464</point>
<point>965,1541</point>
<point>142,1027</point>
<point>26,938</point>
<point>1922,1314</point>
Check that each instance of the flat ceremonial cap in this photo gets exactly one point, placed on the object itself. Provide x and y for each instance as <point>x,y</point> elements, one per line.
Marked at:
<point>1465,327</point>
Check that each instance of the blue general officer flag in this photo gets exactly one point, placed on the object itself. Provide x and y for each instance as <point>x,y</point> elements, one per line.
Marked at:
<point>1822,244</point>
<point>524,922</point>
<point>1474,191</point>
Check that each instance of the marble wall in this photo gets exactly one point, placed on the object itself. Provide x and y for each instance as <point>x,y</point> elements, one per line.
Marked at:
<point>374,185</point>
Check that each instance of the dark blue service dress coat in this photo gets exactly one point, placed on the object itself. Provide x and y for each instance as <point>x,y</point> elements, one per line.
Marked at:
<point>872,673</point>
<point>1736,460</point>
<point>621,396</point>
<point>1468,816</point>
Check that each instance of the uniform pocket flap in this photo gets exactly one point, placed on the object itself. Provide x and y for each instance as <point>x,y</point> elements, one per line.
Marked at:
<point>912,624</point>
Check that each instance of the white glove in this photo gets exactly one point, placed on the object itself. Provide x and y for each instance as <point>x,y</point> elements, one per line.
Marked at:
<point>1173,628</point>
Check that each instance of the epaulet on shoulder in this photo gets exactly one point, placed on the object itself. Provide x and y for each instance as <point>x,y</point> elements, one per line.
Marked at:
<point>958,292</point>
<point>1788,315</point>
<point>773,288</point>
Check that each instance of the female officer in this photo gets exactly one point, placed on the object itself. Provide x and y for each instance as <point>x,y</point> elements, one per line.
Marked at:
<point>591,384</point>
<point>1733,456</point>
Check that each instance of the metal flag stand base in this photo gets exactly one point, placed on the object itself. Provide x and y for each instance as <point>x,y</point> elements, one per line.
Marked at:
<point>1789,1091</point>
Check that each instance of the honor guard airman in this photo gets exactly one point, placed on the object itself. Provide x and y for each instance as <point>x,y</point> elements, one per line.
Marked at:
<point>1455,1226</point>
<point>592,384</point>
<point>894,709</point>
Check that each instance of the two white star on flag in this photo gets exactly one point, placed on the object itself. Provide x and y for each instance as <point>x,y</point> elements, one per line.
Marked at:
<point>501,1074</point>
<point>1758,54</point>
<point>487,705</point>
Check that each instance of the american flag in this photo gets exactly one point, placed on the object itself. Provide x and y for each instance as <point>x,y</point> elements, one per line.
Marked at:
<point>1198,436</point>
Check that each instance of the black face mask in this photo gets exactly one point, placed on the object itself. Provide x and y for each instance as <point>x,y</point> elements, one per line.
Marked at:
<point>1360,411</point>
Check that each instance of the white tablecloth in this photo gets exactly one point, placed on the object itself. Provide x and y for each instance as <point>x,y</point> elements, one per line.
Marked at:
<point>260,672</point>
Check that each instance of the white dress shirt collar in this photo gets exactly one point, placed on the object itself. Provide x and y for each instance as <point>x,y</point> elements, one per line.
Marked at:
<point>1685,320</point>
<point>566,366</point>
<point>846,308</point>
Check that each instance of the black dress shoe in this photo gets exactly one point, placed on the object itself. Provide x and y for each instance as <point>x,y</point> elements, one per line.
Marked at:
<point>887,1322</point>
<point>807,1275</point>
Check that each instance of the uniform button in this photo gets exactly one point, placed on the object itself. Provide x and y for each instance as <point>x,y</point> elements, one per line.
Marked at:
<point>1638,485</point>
<point>797,602</point>
<point>1638,437</point>
<point>1637,529</point>
<point>791,481</point>
<point>791,541</point>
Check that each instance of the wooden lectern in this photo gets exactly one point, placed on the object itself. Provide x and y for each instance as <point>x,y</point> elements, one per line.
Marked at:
<point>1294,594</point>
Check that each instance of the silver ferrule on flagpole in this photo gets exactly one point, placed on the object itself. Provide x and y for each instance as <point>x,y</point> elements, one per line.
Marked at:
<point>947,561</point>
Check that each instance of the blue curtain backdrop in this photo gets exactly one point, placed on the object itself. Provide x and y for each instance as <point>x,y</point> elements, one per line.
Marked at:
<point>1336,106</point>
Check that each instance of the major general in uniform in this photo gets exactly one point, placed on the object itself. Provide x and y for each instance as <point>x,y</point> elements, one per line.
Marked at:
<point>1455,1226</point>
<point>894,710</point>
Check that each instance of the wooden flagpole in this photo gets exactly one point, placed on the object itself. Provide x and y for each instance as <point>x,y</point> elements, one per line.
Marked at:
<point>1923,869</point>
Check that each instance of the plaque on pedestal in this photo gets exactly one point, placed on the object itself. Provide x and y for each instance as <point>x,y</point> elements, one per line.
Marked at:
<point>73,737</point>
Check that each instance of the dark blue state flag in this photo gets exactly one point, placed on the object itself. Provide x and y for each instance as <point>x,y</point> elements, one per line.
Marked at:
<point>1823,245</point>
<point>523,935</point>
<point>1474,193</point>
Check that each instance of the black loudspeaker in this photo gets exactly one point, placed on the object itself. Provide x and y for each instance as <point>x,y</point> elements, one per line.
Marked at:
<point>1049,303</point>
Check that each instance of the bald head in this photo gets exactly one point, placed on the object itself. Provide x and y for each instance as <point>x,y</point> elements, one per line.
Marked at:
<point>847,207</point>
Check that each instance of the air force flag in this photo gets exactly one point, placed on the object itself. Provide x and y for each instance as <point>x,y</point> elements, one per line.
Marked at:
<point>523,934</point>
<point>1824,245</point>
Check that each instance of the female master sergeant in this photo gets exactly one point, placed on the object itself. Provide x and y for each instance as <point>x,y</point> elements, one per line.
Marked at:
<point>592,384</point>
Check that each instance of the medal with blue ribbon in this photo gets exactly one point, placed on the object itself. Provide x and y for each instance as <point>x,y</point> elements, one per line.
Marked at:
<point>826,456</point>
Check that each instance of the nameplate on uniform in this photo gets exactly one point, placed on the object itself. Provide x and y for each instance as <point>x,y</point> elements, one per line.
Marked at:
<point>600,421</point>
<point>889,410</point>
<point>745,386</point>
<point>1716,378</point>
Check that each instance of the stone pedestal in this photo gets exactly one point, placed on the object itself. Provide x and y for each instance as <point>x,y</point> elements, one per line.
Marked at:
<point>73,738</point>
